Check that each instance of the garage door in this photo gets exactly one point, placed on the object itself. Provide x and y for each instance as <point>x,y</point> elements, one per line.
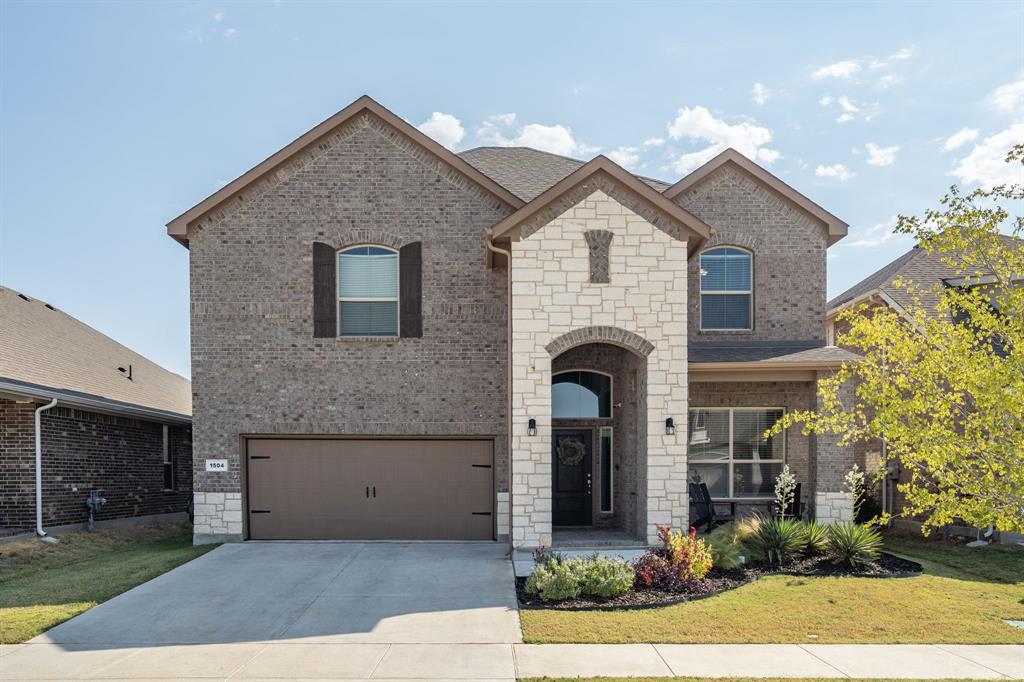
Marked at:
<point>317,489</point>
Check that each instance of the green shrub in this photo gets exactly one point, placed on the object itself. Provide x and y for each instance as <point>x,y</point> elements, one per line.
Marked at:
<point>854,544</point>
<point>606,577</point>
<point>778,540</point>
<point>556,579</point>
<point>688,555</point>
<point>815,538</point>
<point>725,554</point>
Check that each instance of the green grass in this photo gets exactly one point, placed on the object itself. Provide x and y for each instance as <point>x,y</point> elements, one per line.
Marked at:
<point>43,585</point>
<point>963,597</point>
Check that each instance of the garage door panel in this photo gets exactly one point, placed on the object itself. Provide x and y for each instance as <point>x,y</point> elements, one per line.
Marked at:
<point>370,489</point>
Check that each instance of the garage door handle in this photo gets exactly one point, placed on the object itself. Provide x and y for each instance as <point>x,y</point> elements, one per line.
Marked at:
<point>375,491</point>
<point>259,511</point>
<point>481,466</point>
<point>259,456</point>
<point>481,513</point>
<point>367,492</point>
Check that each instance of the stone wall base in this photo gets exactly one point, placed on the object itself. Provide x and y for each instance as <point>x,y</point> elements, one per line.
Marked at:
<point>217,515</point>
<point>832,508</point>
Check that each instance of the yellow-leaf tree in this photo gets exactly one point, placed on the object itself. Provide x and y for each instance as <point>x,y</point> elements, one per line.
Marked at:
<point>943,379</point>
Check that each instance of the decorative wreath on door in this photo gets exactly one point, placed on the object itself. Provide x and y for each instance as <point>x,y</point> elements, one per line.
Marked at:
<point>571,451</point>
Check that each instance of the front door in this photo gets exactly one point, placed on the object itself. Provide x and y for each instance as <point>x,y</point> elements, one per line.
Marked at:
<point>571,478</point>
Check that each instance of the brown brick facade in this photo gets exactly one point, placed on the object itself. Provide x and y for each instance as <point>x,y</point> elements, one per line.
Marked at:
<point>82,451</point>
<point>789,256</point>
<point>257,368</point>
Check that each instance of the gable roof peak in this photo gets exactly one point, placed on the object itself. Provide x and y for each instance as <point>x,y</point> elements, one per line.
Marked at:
<point>178,227</point>
<point>837,228</point>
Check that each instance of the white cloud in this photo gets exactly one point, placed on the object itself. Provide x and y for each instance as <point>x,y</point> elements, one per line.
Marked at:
<point>836,170</point>
<point>761,93</point>
<point>881,156</point>
<point>901,54</point>
<point>826,101</point>
<point>627,157</point>
<point>986,164</point>
<point>848,106</point>
<point>888,80</point>
<point>700,125</point>
<point>444,128</point>
<point>654,142</point>
<point>960,138</point>
<point>1009,98</point>
<point>844,118</point>
<point>501,130</point>
<point>843,69</point>
<point>218,16</point>
<point>880,234</point>
<point>230,32</point>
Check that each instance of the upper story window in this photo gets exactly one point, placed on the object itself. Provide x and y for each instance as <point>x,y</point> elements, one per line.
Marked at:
<point>367,291</point>
<point>581,395</point>
<point>726,289</point>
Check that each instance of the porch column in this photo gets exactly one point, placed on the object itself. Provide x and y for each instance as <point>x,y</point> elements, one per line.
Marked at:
<point>829,465</point>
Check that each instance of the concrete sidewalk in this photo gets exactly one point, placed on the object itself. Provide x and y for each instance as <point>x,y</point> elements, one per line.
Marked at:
<point>296,659</point>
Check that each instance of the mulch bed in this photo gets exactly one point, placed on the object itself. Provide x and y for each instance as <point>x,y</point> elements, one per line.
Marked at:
<point>717,581</point>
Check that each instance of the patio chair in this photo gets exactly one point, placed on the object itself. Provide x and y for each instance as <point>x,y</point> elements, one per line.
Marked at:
<point>707,515</point>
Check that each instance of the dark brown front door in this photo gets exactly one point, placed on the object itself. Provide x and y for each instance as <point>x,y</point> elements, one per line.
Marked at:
<point>322,489</point>
<point>571,477</point>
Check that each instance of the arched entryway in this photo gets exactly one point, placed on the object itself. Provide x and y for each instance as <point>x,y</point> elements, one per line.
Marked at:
<point>598,465</point>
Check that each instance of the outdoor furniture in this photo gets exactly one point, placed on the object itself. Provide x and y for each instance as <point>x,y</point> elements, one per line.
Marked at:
<point>707,515</point>
<point>795,509</point>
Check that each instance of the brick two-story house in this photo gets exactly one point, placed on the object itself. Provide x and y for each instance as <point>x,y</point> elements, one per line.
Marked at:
<point>394,341</point>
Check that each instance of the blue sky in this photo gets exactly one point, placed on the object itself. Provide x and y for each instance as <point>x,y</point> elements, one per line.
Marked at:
<point>116,117</point>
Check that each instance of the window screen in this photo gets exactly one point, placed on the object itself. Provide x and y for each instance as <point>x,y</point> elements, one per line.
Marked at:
<point>726,286</point>
<point>368,291</point>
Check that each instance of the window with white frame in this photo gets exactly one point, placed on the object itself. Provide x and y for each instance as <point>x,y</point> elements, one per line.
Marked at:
<point>726,289</point>
<point>730,454</point>
<point>367,291</point>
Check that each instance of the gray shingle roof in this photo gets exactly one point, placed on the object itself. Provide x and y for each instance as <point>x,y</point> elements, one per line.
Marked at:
<point>44,348</point>
<point>528,172</point>
<point>921,268</point>
<point>769,352</point>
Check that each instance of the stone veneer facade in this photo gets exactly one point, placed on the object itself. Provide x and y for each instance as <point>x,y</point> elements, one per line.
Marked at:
<point>555,305</point>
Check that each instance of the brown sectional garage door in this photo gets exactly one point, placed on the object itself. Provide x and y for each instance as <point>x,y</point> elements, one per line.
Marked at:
<point>320,489</point>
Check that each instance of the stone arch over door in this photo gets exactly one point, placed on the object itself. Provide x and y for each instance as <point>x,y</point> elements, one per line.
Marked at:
<point>600,334</point>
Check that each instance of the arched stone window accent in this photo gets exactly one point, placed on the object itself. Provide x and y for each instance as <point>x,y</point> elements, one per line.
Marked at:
<point>599,242</point>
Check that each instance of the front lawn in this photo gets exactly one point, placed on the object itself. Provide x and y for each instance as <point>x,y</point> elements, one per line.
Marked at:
<point>43,585</point>
<point>704,679</point>
<point>963,597</point>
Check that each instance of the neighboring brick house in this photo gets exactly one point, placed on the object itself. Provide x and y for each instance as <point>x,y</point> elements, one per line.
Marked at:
<point>917,270</point>
<point>120,423</point>
<point>393,341</point>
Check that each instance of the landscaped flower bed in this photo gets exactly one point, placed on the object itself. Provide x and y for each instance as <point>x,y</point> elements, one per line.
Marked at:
<point>686,567</point>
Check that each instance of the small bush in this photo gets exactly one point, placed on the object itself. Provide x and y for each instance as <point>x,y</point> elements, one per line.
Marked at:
<point>778,540</point>
<point>653,570</point>
<point>815,537</point>
<point>854,544</point>
<point>725,554</point>
<point>606,577</point>
<point>682,560</point>
<point>556,579</point>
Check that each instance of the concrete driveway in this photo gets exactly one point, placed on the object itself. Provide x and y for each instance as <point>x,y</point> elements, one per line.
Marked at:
<point>415,593</point>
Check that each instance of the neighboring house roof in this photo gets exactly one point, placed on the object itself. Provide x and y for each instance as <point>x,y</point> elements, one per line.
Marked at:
<point>918,267</point>
<point>698,229</point>
<point>46,353</point>
<point>781,353</point>
<point>837,229</point>
<point>178,227</point>
<point>528,172</point>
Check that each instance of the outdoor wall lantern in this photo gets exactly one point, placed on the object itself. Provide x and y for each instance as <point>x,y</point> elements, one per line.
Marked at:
<point>531,427</point>
<point>670,427</point>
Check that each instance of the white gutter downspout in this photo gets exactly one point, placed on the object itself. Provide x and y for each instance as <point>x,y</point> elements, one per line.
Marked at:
<point>508,378</point>
<point>39,475</point>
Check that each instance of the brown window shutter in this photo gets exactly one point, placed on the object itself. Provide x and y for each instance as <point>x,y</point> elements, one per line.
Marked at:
<point>325,291</point>
<point>410,290</point>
